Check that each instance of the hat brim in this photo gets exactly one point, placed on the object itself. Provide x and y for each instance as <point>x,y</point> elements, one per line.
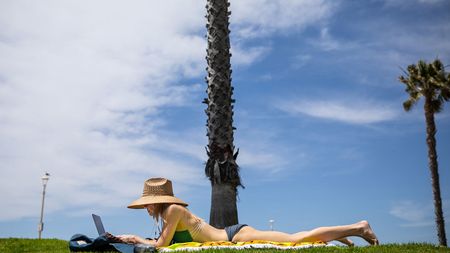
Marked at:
<point>143,201</point>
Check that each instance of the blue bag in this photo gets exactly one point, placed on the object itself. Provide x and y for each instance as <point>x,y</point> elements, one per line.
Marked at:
<point>79,242</point>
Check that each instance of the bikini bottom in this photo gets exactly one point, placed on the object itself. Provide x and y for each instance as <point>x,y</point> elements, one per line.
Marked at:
<point>233,230</point>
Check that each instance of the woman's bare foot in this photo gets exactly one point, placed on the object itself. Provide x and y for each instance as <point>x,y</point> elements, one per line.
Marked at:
<point>346,242</point>
<point>367,233</point>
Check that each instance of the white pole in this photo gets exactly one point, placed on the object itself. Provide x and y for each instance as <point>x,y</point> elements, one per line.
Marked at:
<point>271,224</point>
<point>45,179</point>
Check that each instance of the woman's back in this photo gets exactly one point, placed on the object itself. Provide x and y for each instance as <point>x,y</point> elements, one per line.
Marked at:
<point>198,228</point>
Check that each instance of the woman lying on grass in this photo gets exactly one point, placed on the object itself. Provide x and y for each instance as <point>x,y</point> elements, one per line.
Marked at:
<point>180,225</point>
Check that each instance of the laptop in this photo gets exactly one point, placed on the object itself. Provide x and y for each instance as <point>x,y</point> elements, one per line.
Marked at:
<point>98,224</point>
<point>101,229</point>
<point>122,247</point>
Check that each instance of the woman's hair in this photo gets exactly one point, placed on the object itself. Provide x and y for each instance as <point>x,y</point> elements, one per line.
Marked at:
<point>157,214</point>
<point>159,209</point>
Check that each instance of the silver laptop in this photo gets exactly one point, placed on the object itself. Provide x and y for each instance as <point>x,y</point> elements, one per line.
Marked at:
<point>122,247</point>
<point>98,224</point>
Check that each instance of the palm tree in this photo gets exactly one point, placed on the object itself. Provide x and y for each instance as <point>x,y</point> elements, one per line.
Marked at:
<point>433,83</point>
<point>221,167</point>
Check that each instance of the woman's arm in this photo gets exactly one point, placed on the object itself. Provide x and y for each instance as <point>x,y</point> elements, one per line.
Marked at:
<point>171,217</point>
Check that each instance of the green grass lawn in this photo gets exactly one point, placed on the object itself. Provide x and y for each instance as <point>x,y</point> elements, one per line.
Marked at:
<point>54,245</point>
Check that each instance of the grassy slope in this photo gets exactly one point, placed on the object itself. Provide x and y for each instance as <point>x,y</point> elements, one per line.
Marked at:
<point>61,246</point>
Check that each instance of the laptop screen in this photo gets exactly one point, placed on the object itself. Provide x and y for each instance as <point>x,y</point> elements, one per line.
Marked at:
<point>98,224</point>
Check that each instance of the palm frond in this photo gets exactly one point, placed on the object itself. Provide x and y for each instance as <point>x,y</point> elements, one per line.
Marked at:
<point>404,71</point>
<point>445,93</point>
<point>408,104</point>
<point>437,64</point>
<point>428,80</point>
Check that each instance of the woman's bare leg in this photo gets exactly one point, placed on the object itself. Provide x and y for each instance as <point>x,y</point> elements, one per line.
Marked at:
<point>324,234</point>
<point>346,241</point>
<point>249,234</point>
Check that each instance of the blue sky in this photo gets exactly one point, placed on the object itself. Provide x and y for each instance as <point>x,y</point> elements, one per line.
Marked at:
<point>103,95</point>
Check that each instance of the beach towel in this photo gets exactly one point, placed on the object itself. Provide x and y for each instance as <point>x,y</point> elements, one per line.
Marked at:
<point>196,246</point>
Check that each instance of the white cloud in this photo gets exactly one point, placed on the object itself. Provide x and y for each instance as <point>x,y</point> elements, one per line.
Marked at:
<point>81,88</point>
<point>359,112</point>
<point>326,42</point>
<point>246,56</point>
<point>396,3</point>
<point>259,18</point>
<point>261,159</point>
<point>414,214</point>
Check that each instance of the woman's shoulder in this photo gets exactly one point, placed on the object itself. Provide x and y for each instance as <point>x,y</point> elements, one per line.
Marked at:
<point>175,209</point>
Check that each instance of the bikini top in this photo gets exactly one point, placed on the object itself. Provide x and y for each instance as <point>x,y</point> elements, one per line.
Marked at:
<point>182,236</point>
<point>185,235</point>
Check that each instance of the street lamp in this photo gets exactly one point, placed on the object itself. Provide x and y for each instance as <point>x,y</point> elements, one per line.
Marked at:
<point>45,179</point>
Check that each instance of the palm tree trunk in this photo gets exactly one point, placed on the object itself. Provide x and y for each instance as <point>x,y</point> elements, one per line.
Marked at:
<point>223,205</point>
<point>433,165</point>
<point>221,167</point>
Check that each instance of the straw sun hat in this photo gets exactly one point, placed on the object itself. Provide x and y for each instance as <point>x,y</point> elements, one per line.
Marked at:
<point>156,191</point>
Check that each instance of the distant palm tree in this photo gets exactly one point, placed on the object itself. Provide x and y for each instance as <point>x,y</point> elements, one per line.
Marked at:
<point>433,83</point>
<point>221,167</point>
